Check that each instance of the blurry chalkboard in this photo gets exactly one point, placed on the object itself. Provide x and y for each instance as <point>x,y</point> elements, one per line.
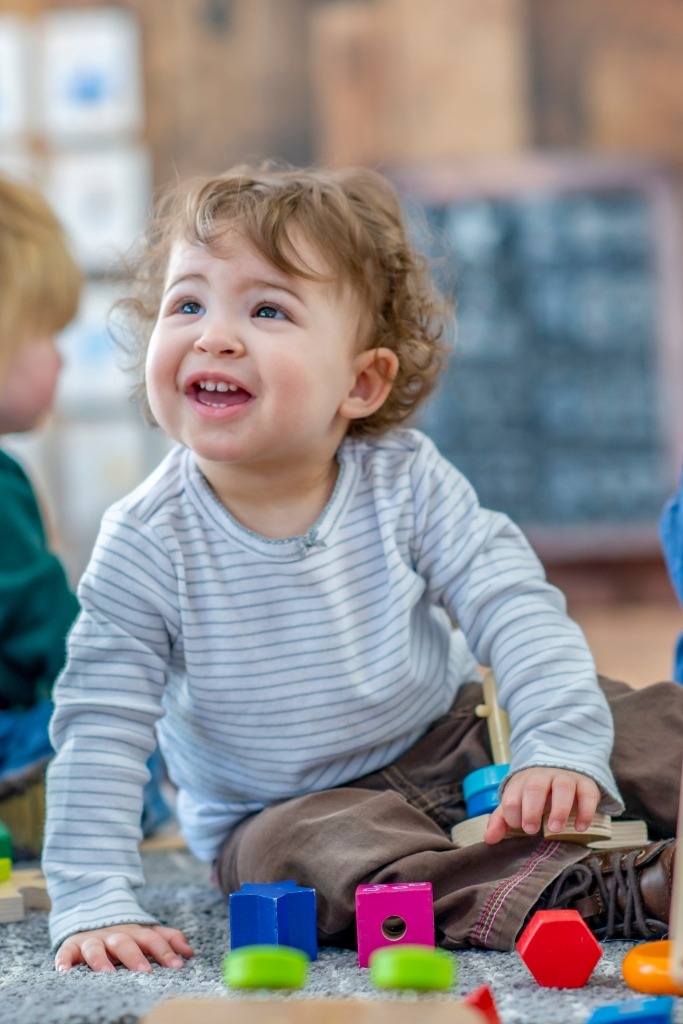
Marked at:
<point>562,400</point>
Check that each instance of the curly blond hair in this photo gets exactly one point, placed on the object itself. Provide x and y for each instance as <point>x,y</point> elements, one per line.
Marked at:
<point>40,282</point>
<point>352,217</point>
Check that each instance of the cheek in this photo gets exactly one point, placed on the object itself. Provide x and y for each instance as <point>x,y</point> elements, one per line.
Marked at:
<point>158,369</point>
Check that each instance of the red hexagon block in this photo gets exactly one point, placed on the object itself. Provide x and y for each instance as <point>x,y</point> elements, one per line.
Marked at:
<point>559,949</point>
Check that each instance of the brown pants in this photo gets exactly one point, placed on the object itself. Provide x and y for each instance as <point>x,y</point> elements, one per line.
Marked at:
<point>394,825</point>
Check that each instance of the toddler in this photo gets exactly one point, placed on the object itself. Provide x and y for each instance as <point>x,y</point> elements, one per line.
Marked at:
<point>40,287</point>
<point>671,529</point>
<point>297,599</point>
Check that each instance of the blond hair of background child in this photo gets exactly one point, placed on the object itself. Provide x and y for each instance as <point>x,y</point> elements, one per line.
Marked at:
<point>40,286</point>
<point>277,601</point>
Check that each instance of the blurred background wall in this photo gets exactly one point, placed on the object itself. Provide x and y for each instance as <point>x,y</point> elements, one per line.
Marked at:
<point>523,129</point>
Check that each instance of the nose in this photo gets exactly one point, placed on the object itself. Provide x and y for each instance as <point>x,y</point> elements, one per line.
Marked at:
<point>219,339</point>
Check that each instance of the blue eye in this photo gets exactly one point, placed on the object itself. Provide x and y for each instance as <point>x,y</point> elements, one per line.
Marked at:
<point>267,312</point>
<point>191,308</point>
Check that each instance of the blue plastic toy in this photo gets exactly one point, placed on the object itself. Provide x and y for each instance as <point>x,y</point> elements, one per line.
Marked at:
<point>657,1010</point>
<point>480,789</point>
<point>274,913</point>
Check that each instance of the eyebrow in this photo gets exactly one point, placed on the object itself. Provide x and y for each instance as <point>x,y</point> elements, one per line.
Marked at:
<point>250,283</point>
<point>181,278</point>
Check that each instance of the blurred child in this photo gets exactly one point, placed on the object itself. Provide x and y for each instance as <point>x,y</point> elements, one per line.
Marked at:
<point>278,597</point>
<point>671,528</point>
<point>40,286</point>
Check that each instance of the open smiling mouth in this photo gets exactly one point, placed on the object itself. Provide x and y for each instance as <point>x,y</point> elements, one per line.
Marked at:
<point>219,394</point>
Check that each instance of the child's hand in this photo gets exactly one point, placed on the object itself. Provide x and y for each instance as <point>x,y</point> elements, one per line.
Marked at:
<point>532,792</point>
<point>126,944</point>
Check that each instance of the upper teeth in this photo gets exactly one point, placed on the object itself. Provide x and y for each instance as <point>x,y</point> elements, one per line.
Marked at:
<point>217,385</point>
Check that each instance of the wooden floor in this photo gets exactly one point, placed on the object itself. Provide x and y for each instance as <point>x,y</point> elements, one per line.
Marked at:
<point>632,642</point>
<point>630,616</point>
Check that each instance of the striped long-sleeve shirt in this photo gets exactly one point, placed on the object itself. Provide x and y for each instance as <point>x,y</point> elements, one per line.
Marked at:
<point>273,668</point>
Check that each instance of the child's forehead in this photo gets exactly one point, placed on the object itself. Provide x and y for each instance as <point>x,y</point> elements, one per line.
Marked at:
<point>235,248</point>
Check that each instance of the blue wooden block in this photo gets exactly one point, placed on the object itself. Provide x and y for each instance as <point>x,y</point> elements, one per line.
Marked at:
<point>276,914</point>
<point>657,1010</point>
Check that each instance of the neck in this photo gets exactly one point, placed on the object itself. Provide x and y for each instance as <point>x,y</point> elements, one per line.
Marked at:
<point>274,503</point>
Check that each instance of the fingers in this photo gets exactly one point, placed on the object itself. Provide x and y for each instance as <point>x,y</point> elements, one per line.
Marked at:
<point>496,828</point>
<point>587,800</point>
<point>129,945</point>
<point>562,800</point>
<point>176,941</point>
<point>534,792</point>
<point>68,955</point>
<point>162,947</point>
<point>524,800</point>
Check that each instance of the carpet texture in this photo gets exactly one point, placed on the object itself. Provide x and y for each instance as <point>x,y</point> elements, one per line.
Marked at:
<point>178,892</point>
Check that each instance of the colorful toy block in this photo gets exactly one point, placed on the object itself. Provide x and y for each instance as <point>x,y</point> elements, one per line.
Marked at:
<point>413,967</point>
<point>265,967</point>
<point>310,1011</point>
<point>480,789</point>
<point>559,949</point>
<point>5,853</point>
<point>274,913</point>
<point>645,1011</point>
<point>482,999</point>
<point>391,914</point>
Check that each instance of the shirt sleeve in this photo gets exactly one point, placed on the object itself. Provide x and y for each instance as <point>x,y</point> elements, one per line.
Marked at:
<point>107,701</point>
<point>37,606</point>
<point>482,570</point>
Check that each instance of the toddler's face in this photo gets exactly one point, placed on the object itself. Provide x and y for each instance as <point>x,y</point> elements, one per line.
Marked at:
<point>27,388</point>
<point>248,365</point>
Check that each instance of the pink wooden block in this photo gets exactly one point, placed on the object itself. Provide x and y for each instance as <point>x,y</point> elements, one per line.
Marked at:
<point>393,914</point>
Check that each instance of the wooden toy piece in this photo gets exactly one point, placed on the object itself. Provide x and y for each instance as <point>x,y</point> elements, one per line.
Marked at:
<point>599,829</point>
<point>31,884</point>
<point>481,789</point>
<point>274,913</point>
<point>394,913</point>
<point>559,949</point>
<point>413,967</point>
<point>656,968</point>
<point>645,1011</point>
<point>24,891</point>
<point>625,835</point>
<point>482,999</point>
<point>471,831</point>
<point>676,912</point>
<point>310,1011</point>
<point>265,967</point>
<point>11,903</point>
<point>497,721</point>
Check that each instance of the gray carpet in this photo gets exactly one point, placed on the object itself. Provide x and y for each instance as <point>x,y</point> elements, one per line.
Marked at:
<point>177,890</point>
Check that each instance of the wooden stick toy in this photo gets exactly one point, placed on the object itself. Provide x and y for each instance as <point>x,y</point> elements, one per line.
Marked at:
<point>656,968</point>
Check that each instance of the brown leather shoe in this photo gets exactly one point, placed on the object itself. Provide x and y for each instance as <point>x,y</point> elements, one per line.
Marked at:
<point>621,894</point>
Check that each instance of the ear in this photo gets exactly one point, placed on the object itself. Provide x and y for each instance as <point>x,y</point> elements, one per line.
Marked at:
<point>374,372</point>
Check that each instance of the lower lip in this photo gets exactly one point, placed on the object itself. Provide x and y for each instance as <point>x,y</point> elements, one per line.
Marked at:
<point>213,412</point>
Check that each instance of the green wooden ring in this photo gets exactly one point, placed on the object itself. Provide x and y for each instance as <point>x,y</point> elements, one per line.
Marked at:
<point>265,967</point>
<point>413,967</point>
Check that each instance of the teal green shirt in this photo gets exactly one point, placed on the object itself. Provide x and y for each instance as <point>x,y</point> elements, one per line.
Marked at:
<point>37,606</point>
